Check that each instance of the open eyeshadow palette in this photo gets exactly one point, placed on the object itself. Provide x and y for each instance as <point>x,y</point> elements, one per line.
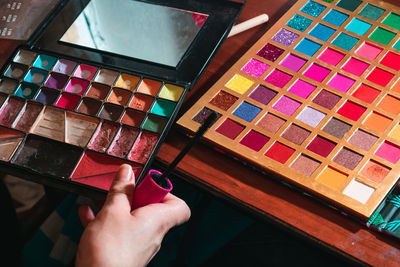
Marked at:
<point>74,106</point>
<point>316,101</point>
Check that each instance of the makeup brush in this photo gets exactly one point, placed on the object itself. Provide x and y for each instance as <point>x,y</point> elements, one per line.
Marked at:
<point>156,185</point>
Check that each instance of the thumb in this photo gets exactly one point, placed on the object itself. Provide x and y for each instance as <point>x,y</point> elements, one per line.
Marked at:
<point>122,188</point>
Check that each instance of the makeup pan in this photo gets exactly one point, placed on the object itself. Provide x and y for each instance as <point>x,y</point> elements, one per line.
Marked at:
<point>81,97</point>
<point>315,102</point>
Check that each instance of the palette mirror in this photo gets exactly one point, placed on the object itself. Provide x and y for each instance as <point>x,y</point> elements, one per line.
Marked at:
<point>143,31</point>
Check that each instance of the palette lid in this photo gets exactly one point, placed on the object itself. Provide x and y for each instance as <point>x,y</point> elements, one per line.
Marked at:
<point>171,40</point>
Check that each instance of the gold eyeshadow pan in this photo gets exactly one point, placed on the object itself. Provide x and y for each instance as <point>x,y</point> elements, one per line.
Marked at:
<point>316,102</point>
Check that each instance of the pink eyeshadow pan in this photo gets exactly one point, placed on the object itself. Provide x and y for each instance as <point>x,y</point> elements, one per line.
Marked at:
<point>77,86</point>
<point>389,152</point>
<point>278,78</point>
<point>85,71</point>
<point>271,123</point>
<point>286,105</point>
<point>254,140</point>
<point>293,62</point>
<point>255,68</point>
<point>302,88</point>
<point>316,72</point>
<point>305,165</point>
<point>355,66</point>
<point>330,56</point>
<point>369,51</point>
<point>341,83</point>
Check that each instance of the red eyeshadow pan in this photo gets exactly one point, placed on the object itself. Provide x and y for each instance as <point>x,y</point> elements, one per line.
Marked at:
<point>380,77</point>
<point>279,152</point>
<point>351,110</point>
<point>321,146</point>
<point>391,60</point>
<point>230,129</point>
<point>99,170</point>
<point>254,140</point>
<point>366,93</point>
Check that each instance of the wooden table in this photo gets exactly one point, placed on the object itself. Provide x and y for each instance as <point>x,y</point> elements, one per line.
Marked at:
<point>251,191</point>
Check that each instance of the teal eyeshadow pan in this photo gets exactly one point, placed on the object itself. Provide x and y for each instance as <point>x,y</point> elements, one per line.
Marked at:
<point>345,41</point>
<point>26,90</point>
<point>163,108</point>
<point>349,5</point>
<point>372,12</point>
<point>308,47</point>
<point>299,23</point>
<point>335,17</point>
<point>397,45</point>
<point>313,9</point>
<point>44,62</point>
<point>322,32</point>
<point>358,26</point>
<point>36,76</point>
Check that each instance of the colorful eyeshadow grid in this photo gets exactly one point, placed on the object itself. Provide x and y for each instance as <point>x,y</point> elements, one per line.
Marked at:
<point>46,100</point>
<point>316,100</point>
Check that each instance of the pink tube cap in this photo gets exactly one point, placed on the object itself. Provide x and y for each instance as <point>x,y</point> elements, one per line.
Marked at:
<point>149,192</point>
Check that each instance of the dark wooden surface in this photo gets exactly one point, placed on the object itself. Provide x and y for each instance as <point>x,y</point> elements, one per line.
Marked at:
<point>251,191</point>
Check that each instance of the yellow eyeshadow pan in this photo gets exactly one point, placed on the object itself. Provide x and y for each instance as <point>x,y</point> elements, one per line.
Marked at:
<point>318,95</point>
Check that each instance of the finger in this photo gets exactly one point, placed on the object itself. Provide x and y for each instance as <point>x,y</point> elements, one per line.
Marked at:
<point>178,209</point>
<point>172,211</point>
<point>121,190</point>
<point>86,215</point>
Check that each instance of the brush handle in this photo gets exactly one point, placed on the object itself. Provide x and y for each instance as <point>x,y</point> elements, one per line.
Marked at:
<point>149,191</point>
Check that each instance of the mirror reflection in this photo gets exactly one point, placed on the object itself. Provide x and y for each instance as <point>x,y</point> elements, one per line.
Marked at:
<point>135,29</point>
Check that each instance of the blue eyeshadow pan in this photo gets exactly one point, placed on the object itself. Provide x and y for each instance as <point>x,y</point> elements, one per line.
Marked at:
<point>322,32</point>
<point>247,111</point>
<point>335,17</point>
<point>308,47</point>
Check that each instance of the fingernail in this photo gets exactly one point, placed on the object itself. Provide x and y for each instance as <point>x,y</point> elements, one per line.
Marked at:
<point>125,172</point>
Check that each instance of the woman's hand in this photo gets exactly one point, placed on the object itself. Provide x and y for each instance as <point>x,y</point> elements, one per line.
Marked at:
<point>117,236</point>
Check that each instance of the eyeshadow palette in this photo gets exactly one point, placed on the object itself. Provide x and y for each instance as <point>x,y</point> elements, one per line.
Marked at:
<point>80,98</point>
<point>316,102</point>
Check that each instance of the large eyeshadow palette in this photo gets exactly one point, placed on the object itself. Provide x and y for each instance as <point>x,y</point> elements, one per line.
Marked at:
<point>72,113</point>
<point>93,109</point>
<point>316,101</point>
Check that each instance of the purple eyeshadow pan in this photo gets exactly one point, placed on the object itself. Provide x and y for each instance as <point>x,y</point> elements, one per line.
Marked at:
<point>262,94</point>
<point>64,66</point>
<point>293,62</point>
<point>56,81</point>
<point>285,37</point>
